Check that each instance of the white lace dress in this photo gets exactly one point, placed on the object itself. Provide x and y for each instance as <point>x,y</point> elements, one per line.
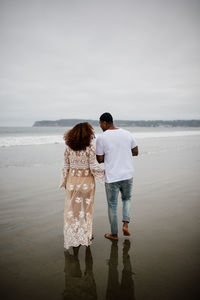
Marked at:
<point>80,168</point>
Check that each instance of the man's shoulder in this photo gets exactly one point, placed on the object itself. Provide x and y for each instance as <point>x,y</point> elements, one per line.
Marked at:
<point>102,135</point>
<point>128,135</point>
<point>124,131</point>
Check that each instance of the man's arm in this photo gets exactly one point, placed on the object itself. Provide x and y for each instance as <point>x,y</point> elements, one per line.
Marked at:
<point>100,158</point>
<point>99,150</point>
<point>135,151</point>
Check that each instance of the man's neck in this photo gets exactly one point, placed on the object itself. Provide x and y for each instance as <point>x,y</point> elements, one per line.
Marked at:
<point>111,127</point>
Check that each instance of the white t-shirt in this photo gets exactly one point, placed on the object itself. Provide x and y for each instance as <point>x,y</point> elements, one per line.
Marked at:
<point>116,147</point>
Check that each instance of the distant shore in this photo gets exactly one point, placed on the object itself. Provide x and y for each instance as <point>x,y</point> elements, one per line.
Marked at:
<point>124,123</point>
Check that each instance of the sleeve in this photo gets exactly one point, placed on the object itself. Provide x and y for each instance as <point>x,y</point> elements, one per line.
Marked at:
<point>99,146</point>
<point>95,168</point>
<point>133,142</point>
<point>65,169</point>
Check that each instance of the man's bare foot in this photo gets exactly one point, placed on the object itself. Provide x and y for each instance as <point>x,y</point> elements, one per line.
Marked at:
<point>111,236</point>
<point>125,229</point>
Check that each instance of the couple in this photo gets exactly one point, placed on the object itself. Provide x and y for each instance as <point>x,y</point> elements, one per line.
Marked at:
<point>115,148</point>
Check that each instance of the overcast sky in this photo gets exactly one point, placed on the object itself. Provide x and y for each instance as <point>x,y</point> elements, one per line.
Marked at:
<point>79,58</point>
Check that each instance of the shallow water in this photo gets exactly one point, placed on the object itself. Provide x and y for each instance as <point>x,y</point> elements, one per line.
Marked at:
<point>159,261</point>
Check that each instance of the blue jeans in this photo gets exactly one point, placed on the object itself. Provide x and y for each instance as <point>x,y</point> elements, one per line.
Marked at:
<point>112,192</point>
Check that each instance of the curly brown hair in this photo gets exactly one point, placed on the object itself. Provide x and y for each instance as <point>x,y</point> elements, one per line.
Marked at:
<point>80,136</point>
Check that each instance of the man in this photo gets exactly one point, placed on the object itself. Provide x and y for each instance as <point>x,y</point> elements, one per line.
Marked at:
<point>115,147</point>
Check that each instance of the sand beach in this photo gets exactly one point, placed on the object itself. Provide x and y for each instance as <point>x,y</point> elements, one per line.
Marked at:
<point>159,261</point>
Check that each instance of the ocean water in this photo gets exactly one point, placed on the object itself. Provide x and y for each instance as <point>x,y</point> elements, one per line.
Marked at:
<point>44,146</point>
<point>23,136</point>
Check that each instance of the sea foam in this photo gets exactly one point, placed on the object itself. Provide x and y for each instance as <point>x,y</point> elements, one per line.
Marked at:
<point>8,141</point>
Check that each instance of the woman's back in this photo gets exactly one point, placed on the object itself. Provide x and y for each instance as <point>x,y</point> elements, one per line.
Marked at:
<point>78,159</point>
<point>82,162</point>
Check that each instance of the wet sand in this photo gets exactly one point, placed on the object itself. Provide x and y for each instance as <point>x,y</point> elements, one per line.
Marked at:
<point>159,261</point>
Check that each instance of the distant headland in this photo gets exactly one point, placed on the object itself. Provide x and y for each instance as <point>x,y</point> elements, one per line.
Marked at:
<point>121,123</point>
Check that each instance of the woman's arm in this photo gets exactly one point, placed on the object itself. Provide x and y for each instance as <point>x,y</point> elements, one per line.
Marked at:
<point>95,168</point>
<point>65,170</point>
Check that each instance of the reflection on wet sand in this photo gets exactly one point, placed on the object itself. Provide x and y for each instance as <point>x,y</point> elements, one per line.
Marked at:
<point>80,285</point>
<point>115,290</point>
<point>77,285</point>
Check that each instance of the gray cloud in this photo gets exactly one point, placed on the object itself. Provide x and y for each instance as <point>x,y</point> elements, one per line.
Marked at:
<point>62,59</point>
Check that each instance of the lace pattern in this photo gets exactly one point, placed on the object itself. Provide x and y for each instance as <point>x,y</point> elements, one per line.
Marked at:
<point>65,169</point>
<point>78,177</point>
<point>76,233</point>
<point>78,212</point>
<point>81,160</point>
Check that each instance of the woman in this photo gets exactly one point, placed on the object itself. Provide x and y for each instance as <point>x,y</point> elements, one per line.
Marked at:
<point>80,168</point>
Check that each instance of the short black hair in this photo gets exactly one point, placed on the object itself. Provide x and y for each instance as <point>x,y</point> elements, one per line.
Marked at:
<point>106,117</point>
